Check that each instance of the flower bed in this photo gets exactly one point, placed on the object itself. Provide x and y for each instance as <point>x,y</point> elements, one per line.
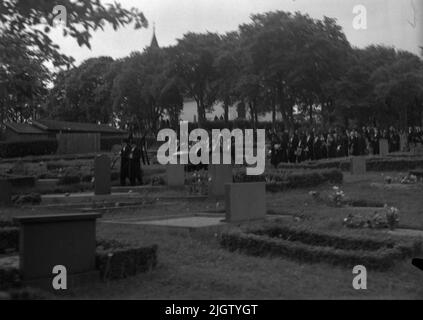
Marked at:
<point>116,260</point>
<point>308,246</point>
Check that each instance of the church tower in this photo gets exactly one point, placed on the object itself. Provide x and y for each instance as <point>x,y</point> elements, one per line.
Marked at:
<point>154,43</point>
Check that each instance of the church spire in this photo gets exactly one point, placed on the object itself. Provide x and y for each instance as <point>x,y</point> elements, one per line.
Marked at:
<point>154,42</point>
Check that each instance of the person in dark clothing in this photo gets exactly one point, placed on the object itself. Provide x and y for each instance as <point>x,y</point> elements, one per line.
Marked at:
<point>135,172</point>
<point>310,146</point>
<point>355,144</point>
<point>293,147</point>
<point>124,161</point>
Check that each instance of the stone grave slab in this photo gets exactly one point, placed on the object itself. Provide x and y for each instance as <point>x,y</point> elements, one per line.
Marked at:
<point>383,147</point>
<point>46,241</point>
<point>5,193</point>
<point>358,165</point>
<point>407,233</point>
<point>245,201</point>
<point>175,174</point>
<point>102,174</point>
<point>85,197</point>
<point>219,175</point>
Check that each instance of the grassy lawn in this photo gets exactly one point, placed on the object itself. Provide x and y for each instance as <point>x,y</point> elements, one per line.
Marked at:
<point>197,268</point>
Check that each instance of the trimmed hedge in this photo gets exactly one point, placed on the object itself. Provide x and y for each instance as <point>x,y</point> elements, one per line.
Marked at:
<point>19,181</point>
<point>282,180</point>
<point>28,148</point>
<point>9,239</point>
<point>373,164</point>
<point>116,261</point>
<point>305,246</point>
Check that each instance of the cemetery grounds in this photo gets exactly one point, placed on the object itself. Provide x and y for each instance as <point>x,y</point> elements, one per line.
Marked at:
<point>196,266</point>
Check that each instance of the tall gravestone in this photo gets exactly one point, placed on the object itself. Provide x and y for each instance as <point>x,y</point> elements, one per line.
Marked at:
<point>403,142</point>
<point>57,240</point>
<point>358,165</point>
<point>383,147</point>
<point>219,175</point>
<point>245,201</point>
<point>5,193</point>
<point>175,174</point>
<point>102,175</point>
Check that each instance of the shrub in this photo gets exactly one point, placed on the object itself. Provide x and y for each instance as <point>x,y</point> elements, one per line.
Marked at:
<point>115,260</point>
<point>28,148</point>
<point>20,181</point>
<point>32,198</point>
<point>9,239</point>
<point>9,278</point>
<point>67,180</point>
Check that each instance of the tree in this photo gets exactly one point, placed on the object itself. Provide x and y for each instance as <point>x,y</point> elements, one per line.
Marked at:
<point>399,89</point>
<point>193,64</point>
<point>25,42</point>
<point>83,93</point>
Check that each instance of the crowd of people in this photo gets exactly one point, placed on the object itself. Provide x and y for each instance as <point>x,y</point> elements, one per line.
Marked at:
<point>308,145</point>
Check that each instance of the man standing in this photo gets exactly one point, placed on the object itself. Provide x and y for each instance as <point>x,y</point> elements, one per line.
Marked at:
<point>124,161</point>
<point>135,172</point>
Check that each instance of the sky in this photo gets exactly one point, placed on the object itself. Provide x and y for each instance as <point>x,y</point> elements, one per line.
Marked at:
<point>397,23</point>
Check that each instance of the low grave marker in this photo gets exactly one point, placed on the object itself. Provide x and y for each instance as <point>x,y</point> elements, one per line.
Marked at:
<point>358,165</point>
<point>383,147</point>
<point>245,201</point>
<point>47,241</point>
<point>219,175</point>
<point>102,174</point>
<point>175,174</point>
<point>418,149</point>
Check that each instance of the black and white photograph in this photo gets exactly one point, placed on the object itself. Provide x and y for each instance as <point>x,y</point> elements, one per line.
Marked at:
<point>229,152</point>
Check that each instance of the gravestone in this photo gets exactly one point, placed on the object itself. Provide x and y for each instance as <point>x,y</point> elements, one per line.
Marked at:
<point>19,168</point>
<point>418,149</point>
<point>102,175</point>
<point>219,175</point>
<point>175,175</point>
<point>47,241</point>
<point>358,165</point>
<point>245,201</point>
<point>5,193</point>
<point>403,142</point>
<point>383,147</point>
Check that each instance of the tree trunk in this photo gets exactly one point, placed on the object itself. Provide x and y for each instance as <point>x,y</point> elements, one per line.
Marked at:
<point>226,110</point>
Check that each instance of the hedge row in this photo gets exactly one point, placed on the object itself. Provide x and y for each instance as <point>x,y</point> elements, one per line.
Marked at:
<point>26,148</point>
<point>283,180</point>
<point>321,239</point>
<point>257,245</point>
<point>19,181</point>
<point>373,164</point>
<point>119,261</point>
<point>9,239</point>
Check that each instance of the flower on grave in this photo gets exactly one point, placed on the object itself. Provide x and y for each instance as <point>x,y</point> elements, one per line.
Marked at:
<point>388,179</point>
<point>392,217</point>
<point>336,188</point>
